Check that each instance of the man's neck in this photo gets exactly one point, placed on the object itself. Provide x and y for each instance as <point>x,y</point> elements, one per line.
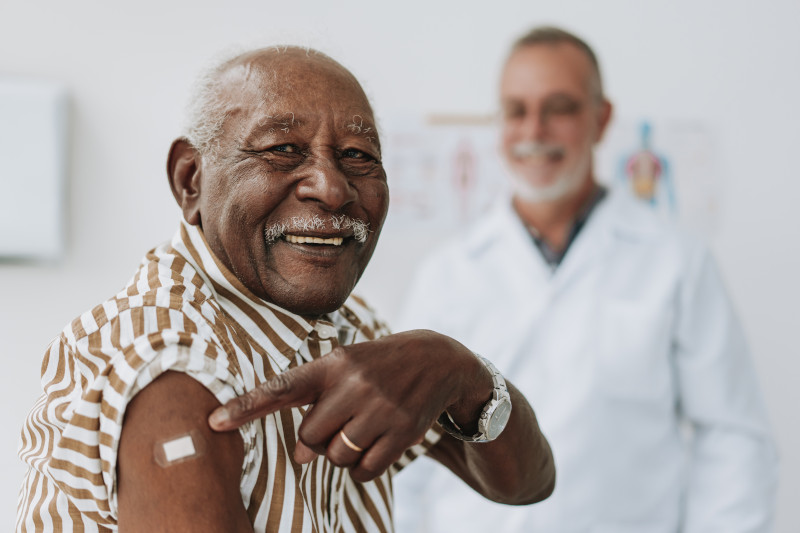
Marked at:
<point>553,221</point>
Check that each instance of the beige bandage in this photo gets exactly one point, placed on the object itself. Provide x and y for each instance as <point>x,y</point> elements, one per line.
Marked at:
<point>179,449</point>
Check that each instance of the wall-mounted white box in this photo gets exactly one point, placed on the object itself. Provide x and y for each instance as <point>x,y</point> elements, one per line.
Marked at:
<point>33,169</point>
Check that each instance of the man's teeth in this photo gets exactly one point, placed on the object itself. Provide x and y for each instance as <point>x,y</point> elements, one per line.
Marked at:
<point>297,239</point>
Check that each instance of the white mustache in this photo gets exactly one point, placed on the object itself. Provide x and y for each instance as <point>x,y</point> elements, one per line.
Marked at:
<point>533,149</point>
<point>314,222</point>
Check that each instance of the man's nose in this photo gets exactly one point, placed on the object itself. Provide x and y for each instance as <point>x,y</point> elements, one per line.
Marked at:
<point>534,126</point>
<point>325,183</point>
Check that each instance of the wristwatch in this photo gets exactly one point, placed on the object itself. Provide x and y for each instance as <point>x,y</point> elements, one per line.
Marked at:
<point>494,416</point>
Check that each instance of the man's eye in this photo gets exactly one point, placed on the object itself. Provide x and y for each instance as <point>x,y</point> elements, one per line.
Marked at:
<point>352,153</point>
<point>512,108</point>
<point>513,114</point>
<point>563,107</point>
<point>286,148</point>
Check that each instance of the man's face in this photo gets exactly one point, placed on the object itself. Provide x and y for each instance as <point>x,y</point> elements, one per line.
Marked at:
<point>296,176</point>
<point>551,120</point>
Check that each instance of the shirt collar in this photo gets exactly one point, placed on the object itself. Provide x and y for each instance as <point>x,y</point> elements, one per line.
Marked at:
<point>554,257</point>
<point>279,331</point>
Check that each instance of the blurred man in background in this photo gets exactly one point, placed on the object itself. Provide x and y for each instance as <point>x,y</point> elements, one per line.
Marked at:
<point>613,323</point>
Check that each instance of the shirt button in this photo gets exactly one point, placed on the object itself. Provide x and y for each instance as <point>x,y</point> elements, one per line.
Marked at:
<point>326,331</point>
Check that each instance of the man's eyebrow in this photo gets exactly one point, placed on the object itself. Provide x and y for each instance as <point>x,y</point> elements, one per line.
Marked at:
<point>365,128</point>
<point>269,124</point>
<point>562,94</point>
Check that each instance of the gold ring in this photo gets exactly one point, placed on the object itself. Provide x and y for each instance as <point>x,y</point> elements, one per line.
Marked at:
<point>350,444</point>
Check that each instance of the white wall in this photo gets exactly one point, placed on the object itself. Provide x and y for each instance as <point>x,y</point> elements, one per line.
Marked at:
<point>732,64</point>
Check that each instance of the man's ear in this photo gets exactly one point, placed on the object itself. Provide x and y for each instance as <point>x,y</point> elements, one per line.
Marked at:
<point>184,169</point>
<point>603,119</point>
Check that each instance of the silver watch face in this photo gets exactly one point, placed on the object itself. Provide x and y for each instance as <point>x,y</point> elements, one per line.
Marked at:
<point>498,419</point>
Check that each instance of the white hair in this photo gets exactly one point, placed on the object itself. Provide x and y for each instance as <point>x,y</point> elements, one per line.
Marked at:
<point>206,111</point>
<point>339,222</point>
<point>207,107</point>
<point>565,183</point>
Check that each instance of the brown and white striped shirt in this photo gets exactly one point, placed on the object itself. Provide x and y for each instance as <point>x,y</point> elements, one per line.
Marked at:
<point>183,311</point>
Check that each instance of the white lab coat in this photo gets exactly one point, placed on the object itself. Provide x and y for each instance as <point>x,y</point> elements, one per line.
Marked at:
<point>634,363</point>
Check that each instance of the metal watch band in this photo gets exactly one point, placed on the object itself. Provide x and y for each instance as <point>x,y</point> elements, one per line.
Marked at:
<point>493,416</point>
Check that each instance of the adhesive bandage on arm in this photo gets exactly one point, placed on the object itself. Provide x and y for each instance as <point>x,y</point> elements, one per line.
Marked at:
<point>179,448</point>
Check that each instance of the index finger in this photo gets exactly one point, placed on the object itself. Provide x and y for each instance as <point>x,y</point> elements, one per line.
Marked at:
<point>293,388</point>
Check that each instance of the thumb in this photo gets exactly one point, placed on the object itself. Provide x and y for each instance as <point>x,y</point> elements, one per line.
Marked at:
<point>303,454</point>
<point>293,388</point>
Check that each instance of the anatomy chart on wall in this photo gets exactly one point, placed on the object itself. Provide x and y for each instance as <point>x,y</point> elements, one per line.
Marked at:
<point>444,171</point>
<point>668,164</point>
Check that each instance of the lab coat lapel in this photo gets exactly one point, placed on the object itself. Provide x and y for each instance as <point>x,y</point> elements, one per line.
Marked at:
<point>590,248</point>
<point>528,277</point>
<point>526,267</point>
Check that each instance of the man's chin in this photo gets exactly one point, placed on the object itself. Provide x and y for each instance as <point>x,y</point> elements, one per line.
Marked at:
<point>312,309</point>
<point>314,299</point>
<point>543,193</point>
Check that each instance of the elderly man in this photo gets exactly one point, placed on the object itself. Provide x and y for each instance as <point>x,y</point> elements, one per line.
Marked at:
<point>614,325</point>
<point>283,196</point>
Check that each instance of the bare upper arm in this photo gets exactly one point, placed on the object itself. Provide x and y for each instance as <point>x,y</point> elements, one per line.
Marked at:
<point>196,494</point>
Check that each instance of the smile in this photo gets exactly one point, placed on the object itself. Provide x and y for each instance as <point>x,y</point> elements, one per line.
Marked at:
<point>536,153</point>
<point>299,239</point>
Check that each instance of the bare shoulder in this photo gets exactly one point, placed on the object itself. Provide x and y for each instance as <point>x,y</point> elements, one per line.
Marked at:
<point>174,473</point>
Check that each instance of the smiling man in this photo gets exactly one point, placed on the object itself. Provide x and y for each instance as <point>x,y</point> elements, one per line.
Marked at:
<point>613,323</point>
<point>247,314</point>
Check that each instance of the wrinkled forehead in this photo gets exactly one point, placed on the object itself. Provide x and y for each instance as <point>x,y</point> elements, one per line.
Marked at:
<point>549,67</point>
<point>291,86</point>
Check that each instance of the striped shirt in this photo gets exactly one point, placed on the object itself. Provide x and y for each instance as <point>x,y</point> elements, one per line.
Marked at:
<point>183,311</point>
